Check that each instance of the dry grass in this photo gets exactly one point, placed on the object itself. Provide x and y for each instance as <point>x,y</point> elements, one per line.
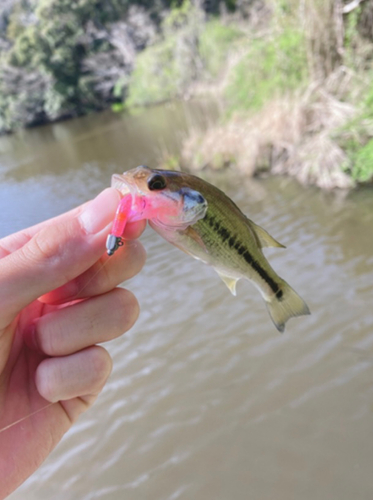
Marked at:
<point>294,134</point>
<point>290,135</point>
<point>298,132</point>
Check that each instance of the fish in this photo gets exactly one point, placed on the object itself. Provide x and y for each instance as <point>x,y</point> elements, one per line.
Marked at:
<point>201,220</point>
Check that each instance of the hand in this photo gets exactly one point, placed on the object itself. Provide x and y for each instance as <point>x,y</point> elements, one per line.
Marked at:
<point>57,301</point>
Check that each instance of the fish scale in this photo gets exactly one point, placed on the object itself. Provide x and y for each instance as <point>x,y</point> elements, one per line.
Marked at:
<point>229,241</point>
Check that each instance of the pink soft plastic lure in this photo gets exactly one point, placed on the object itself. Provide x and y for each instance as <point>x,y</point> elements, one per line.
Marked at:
<point>144,197</point>
<point>123,214</point>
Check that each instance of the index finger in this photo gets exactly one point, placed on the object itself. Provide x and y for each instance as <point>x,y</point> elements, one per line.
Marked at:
<point>13,242</point>
<point>56,254</point>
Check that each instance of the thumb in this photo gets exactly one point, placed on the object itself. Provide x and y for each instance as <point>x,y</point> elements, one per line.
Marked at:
<point>55,255</point>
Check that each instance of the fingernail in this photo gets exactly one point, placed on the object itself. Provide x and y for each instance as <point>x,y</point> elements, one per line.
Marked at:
<point>100,211</point>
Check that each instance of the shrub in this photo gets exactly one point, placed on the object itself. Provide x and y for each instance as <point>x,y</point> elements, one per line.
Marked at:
<point>271,67</point>
<point>156,76</point>
<point>165,70</point>
<point>215,43</point>
<point>362,163</point>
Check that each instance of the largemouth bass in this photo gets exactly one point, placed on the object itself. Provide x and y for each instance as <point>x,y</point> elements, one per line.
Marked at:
<point>201,220</point>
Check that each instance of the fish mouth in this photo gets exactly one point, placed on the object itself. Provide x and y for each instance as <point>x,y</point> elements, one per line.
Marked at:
<point>123,184</point>
<point>192,205</point>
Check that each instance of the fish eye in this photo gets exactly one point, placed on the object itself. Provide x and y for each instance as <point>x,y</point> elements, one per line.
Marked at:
<point>156,182</point>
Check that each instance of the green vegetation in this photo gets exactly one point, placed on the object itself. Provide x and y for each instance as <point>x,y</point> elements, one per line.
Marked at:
<point>362,169</point>
<point>270,68</point>
<point>68,57</point>
<point>294,75</point>
<point>356,138</point>
<point>64,58</point>
<point>299,97</point>
<point>157,76</point>
<point>191,49</point>
<point>216,43</point>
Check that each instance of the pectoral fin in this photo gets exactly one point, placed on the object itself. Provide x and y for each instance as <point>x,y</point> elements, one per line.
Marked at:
<point>230,282</point>
<point>265,239</point>
<point>192,233</point>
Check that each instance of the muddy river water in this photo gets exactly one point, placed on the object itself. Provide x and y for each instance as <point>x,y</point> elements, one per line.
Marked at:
<point>207,401</point>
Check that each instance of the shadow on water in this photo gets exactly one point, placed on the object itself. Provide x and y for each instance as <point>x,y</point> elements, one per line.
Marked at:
<point>207,400</point>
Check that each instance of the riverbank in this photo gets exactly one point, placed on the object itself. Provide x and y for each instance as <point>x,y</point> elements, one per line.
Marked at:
<point>297,135</point>
<point>297,98</point>
<point>293,79</point>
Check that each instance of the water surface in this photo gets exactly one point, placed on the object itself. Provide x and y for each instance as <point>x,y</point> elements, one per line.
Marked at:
<point>207,400</point>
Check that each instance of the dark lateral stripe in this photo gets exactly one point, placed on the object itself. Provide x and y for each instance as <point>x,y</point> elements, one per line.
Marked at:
<point>215,224</point>
<point>241,250</point>
<point>275,288</point>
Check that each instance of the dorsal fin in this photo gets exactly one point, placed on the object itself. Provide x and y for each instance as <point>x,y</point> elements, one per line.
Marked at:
<point>264,238</point>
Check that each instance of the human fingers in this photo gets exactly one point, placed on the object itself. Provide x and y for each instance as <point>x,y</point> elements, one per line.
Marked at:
<point>55,255</point>
<point>134,230</point>
<point>81,374</point>
<point>104,275</point>
<point>13,242</point>
<point>73,328</point>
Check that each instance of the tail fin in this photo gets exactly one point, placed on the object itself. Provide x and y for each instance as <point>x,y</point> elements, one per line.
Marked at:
<point>290,304</point>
